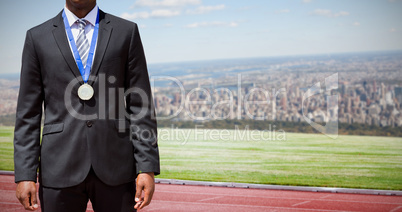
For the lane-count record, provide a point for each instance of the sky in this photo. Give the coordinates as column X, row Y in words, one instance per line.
column 193, row 30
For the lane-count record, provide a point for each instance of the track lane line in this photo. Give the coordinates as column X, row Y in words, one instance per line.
column 306, row 199
column 212, row 198
column 10, row 203
column 328, row 195
column 300, row 203
column 395, row 209
column 155, row 209
column 245, row 206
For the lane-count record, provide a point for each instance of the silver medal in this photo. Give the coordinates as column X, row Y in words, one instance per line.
column 85, row 91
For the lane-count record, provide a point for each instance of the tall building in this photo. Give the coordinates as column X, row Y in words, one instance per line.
column 177, row 99
column 398, row 91
column 398, row 94
column 383, row 91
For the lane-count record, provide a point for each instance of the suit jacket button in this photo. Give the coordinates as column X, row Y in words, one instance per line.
column 89, row 123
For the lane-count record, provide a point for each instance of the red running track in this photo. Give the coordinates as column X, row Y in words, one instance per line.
column 202, row 198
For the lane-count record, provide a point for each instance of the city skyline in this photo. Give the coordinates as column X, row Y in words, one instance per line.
column 192, row 30
column 363, row 89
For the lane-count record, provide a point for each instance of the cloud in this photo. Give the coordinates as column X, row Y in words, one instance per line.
column 329, row 13
column 212, row 24
column 165, row 3
column 133, row 16
column 322, row 12
column 161, row 13
column 392, row 30
column 307, row 1
column 245, row 8
column 167, row 8
column 283, row 11
column 341, row 13
column 164, row 13
column 206, row 9
column 356, row 23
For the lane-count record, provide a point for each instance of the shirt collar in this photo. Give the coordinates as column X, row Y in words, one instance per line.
column 90, row 17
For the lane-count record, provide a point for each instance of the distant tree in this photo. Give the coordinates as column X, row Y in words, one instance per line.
column 297, row 127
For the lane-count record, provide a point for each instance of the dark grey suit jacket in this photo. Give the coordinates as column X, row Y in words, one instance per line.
column 79, row 134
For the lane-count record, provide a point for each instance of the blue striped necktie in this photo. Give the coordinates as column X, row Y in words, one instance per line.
column 82, row 41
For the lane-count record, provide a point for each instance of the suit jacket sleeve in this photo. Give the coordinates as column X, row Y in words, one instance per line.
column 140, row 107
column 28, row 115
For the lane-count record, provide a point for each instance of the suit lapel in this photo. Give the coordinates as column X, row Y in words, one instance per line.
column 105, row 29
column 60, row 36
column 59, row 33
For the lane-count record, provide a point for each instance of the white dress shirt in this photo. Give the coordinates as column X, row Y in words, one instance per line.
column 89, row 28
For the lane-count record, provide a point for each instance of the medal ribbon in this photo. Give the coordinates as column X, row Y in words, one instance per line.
column 87, row 70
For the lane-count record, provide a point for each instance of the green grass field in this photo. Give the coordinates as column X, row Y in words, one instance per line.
column 301, row 159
